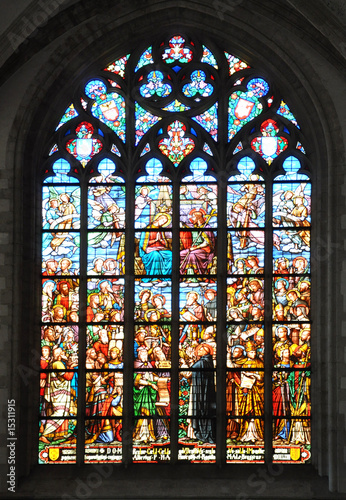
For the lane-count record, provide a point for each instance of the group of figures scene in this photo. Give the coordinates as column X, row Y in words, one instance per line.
column 61, row 224
column 104, row 388
column 60, row 300
column 153, row 210
column 291, row 299
column 58, row 393
column 197, row 389
column 291, row 219
column 198, row 216
column 245, row 301
column 291, row 381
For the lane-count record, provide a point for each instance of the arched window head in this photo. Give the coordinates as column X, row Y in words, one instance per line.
column 176, row 214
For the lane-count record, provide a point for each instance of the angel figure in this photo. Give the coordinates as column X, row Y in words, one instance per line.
column 60, row 214
column 247, row 208
column 291, row 209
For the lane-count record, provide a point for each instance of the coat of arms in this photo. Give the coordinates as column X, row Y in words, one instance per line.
column 243, row 108
column 295, row 454
column 54, row 454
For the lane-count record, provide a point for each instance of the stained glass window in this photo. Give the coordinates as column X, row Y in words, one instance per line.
column 176, row 275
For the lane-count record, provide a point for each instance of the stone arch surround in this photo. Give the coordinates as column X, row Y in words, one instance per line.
column 311, row 84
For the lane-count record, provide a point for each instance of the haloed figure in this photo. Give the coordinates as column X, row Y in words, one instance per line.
column 154, row 247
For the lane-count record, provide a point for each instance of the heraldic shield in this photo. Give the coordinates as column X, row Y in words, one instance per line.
column 295, row 454
column 54, row 454
column 243, row 108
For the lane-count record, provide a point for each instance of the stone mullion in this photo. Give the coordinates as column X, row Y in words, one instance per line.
column 268, row 324
column 82, row 322
column 221, row 336
column 129, row 280
column 174, row 427
column 128, row 325
column 221, row 327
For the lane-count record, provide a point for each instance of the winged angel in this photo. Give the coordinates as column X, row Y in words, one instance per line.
column 291, row 210
column 105, row 217
column 59, row 215
column 247, row 213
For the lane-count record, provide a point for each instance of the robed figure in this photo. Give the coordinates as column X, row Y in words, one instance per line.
column 154, row 247
column 198, row 246
column 202, row 405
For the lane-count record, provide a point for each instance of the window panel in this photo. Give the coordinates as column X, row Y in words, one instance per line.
column 57, row 442
column 153, row 301
column 294, row 245
column 200, row 198
column 251, row 451
column 106, row 207
column 104, row 392
column 147, row 448
column 56, row 265
column 245, row 298
column 60, row 207
column 104, row 346
column 296, row 448
column 105, row 300
column 294, row 339
column 152, row 345
column 108, row 259
column 58, row 336
column 246, row 204
column 151, row 200
column 59, row 398
column 103, row 439
column 291, row 204
column 198, row 255
column 245, row 252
